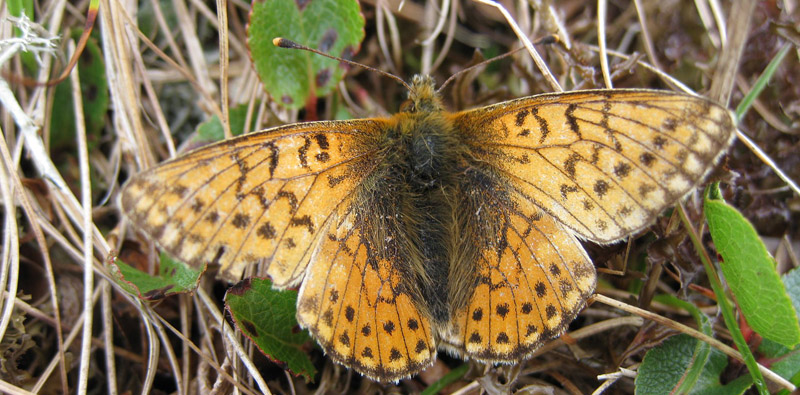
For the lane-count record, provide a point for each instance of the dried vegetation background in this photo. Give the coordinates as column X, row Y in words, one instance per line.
column 164, row 80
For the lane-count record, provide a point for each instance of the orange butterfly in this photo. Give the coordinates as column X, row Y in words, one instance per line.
column 431, row 229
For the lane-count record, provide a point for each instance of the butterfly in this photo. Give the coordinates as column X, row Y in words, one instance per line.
column 429, row 229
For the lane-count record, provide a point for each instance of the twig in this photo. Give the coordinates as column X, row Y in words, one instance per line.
column 527, row 43
column 601, row 39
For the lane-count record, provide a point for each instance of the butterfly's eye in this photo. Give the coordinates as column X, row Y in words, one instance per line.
column 408, row 106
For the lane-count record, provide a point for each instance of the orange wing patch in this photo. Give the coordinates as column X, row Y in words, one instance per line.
column 531, row 285
column 604, row 163
column 354, row 303
column 227, row 203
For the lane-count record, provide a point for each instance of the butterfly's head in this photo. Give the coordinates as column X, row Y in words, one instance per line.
column 423, row 96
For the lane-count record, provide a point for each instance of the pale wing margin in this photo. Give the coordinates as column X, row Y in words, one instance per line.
column 258, row 198
column 604, row 163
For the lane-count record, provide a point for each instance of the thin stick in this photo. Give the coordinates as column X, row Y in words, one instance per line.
column 648, row 41
column 443, row 12
column 601, row 39
column 230, row 336
column 222, row 16
column 527, row 43
column 88, row 250
column 285, row 43
column 484, row 63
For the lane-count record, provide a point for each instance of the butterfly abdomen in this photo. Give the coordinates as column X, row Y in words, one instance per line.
column 417, row 185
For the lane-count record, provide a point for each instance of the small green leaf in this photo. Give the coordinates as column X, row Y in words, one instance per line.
column 709, row 381
column 676, row 366
column 751, row 275
column 665, row 367
column 267, row 317
column 335, row 27
column 449, row 378
column 173, row 277
column 785, row 361
column 702, row 350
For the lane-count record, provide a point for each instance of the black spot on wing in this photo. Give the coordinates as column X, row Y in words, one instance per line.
column 240, row 221
column 647, row 159
column 349, row 314
column 502, row 310
column 266, row 231
column 502, row 338
column 572, row 121
column 551, row 311
column 413, row 324
column 477, row 314
column 303, row 221
column 475, row 338
column 601, row 188
column 520, row 119
column 622, row 169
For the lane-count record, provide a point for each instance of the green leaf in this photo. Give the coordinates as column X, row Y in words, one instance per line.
column 173, row 277
column 211, row 130
column 702, row 350
column 335, row 27
column 451, row 377
column 665, row 367
column 785, row 361
column 267, row 317
column 751, row 275
column 762, row 82
column 94, row 93
column 709, row 381
column 677, row 366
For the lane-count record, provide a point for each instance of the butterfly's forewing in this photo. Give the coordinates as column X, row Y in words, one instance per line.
column 531, row 283
column 258, row 198
column 604, row 163
column 356, row 303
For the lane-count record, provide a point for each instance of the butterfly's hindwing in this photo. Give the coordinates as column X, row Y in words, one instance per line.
column 356, row 302
column 531, row 281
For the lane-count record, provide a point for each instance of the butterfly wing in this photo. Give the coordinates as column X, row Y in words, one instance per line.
column 257, row 198
column 530, row 284
column 358, row 306
column 604, row 163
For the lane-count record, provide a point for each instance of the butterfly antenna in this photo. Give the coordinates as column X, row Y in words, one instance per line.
column 286, row 43
column 544, row 40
